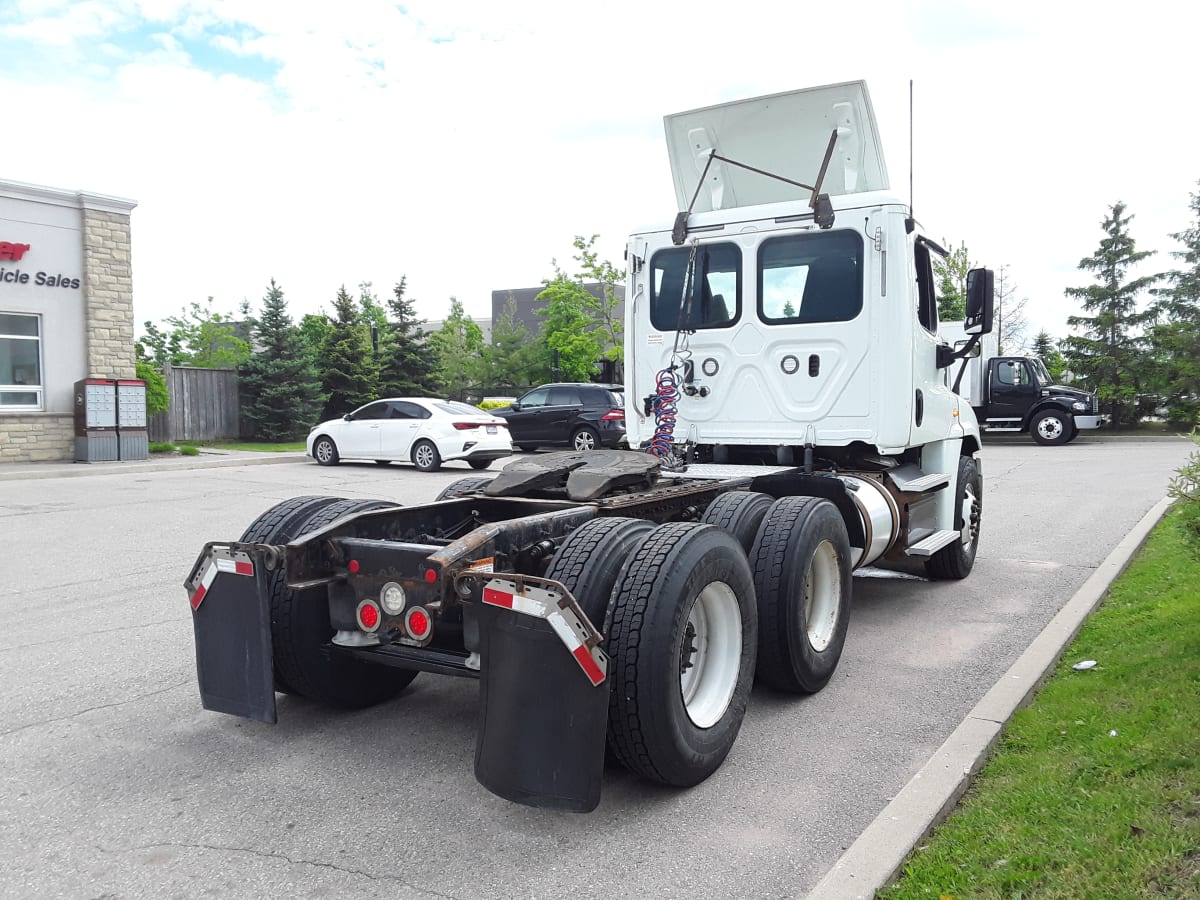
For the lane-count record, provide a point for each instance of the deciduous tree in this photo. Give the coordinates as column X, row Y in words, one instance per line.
column 198, row 336
column 569, row 328
column 458, row 345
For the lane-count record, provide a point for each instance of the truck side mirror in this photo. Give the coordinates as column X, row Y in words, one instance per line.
column 981, row 297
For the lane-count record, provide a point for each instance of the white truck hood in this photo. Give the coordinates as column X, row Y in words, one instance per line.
column 785, row 134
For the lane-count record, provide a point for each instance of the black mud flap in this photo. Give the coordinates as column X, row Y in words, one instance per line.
column 232, row 618
column 544, row 700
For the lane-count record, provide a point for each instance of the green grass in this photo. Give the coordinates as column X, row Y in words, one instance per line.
column 291, row 447
column 1094, row 790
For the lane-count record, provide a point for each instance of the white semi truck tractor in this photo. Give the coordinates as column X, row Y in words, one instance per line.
column 789, row 421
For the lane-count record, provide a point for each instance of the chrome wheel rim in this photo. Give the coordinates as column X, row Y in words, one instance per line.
column 710, row 659
column 585, row 441
column 324, row 451
column 423, row 456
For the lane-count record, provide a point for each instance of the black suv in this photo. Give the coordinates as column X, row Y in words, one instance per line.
column 577, row 415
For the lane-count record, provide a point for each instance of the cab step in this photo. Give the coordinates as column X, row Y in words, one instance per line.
column 913, row 480
column 933, row 543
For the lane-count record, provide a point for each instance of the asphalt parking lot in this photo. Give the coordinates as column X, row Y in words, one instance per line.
column 117, row 783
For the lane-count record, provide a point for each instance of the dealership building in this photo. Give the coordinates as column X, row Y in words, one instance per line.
column 66, row 311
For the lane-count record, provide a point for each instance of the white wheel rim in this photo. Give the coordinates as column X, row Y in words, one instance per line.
column 585, row 441
column 1050, row 428
column 822, row 600
column 711, row 657
column 969, row 517
column 424, row 456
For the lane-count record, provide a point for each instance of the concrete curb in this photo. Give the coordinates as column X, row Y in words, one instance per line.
column 20, row 471
column 876, row 857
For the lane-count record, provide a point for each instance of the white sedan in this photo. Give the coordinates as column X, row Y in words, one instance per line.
column 423, row 431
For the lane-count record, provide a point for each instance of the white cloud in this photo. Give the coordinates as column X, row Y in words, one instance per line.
column 465, row 144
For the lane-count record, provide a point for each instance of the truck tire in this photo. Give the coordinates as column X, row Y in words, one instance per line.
column 739, row 513
column 1051, row 426
column 300, row 628
column 590, row 559
column 278, row 526
column 801, row 564
column 681, row 641
column 956, row 560
column 462, row 486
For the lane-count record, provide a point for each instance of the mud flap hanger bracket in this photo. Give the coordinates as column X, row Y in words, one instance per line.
column 543, row 599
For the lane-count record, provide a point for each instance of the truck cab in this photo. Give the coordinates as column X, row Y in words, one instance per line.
column 1017, row 394
column 779, row 321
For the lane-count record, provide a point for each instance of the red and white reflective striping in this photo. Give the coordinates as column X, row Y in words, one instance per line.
column 220, row 559
column 542, row 603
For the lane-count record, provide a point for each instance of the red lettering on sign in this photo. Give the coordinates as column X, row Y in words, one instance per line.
column 12, row 251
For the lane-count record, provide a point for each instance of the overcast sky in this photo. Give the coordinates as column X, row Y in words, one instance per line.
column 464, row 144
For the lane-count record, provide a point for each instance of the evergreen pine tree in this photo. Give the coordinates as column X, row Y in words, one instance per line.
column 1109, row 353
column 351, row 373
column 1043, row 344
column 408, row 366
column 1176, row 337
column 279, row 386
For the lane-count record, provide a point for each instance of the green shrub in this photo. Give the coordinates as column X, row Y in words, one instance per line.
column 1183, row 414
column 1185, row 488
column 485, row 405
column 162, row 448
column 188, row 450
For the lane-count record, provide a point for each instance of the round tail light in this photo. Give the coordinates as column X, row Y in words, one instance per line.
column 417, row 623
column 369, row 616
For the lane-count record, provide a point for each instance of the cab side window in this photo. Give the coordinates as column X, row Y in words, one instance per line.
column 927, row 311
column 1012, row 372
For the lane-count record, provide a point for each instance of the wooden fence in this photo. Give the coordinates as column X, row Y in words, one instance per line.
column 204, row 406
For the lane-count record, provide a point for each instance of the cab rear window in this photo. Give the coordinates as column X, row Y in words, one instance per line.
column 711, row 298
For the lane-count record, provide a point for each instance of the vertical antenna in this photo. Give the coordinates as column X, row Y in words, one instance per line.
column 911, row 214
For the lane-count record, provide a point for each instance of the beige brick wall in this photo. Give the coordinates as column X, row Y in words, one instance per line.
column 36, row 437
column 108, row 281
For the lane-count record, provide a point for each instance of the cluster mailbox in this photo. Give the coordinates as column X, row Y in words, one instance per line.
column 110, row 420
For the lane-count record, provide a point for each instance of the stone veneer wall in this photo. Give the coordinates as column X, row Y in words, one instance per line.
column 36, row 437
column 108, row 277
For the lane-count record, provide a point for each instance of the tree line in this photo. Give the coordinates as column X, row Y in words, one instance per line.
column 1138, row 357
column 294, row 374
column 1135, row 341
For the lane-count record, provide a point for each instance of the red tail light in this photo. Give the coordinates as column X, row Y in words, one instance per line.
column 417, row 623
column 466, row 426
column 368, row 616
column 613, row 415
